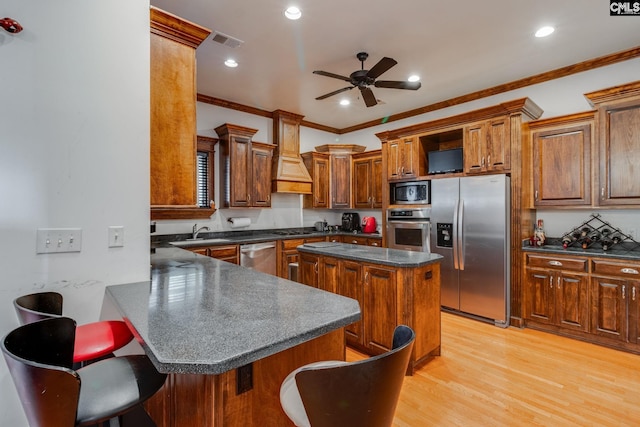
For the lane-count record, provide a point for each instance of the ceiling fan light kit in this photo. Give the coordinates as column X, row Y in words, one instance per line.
column 362, row 79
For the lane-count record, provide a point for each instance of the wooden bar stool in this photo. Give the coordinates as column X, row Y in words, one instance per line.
column 93, row 341
column 39, row 357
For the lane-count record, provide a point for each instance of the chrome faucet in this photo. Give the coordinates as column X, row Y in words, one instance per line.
column 197, row 230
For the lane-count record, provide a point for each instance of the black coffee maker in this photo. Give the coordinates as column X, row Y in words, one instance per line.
column 350, row 221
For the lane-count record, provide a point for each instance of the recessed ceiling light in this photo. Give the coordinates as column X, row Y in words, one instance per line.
column 414, row 78
column 293, row 13
column 230, row 63
column 544, row 31
column 345, row 102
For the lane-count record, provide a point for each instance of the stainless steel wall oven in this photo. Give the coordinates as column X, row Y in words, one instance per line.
column 409, row 229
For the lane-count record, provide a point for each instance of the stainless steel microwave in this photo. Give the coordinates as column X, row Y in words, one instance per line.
column 411, row 193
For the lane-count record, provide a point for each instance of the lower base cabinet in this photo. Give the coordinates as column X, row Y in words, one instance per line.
column 593, row 299
column 228, row 253
column 388, row 296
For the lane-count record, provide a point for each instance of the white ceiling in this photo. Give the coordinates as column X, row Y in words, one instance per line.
column 456, row 47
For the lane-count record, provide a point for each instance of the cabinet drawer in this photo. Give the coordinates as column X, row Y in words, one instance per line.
column 314, row 239
column 292, row 243
column 621, row 269
column 356, row 240
column 545, row 261
column 223, row 251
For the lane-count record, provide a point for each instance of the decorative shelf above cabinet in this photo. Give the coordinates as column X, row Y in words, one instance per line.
column 173, row 186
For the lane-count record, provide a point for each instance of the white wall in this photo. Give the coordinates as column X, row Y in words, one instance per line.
column 74, row 144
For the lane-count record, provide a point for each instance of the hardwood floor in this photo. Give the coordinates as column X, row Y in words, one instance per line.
column 488, row 376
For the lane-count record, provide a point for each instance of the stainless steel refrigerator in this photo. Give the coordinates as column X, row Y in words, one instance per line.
column 470, row 228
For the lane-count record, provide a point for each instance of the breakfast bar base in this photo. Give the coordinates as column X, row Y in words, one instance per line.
column 188, row 400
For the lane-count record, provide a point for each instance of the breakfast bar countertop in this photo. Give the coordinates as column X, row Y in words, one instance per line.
column 200, row 315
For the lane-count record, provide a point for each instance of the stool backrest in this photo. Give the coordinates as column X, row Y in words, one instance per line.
column 39, row 356
column 38, row 306
column 359, row 394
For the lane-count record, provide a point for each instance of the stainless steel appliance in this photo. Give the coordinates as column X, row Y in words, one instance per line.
column 409, row 229
column 259, row 256
column 350, row 221
column 471, row 231
column 414, row 193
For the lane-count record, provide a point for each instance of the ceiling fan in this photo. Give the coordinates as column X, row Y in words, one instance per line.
column 362, row 79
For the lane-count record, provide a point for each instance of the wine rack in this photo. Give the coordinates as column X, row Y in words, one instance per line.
column 598, row 233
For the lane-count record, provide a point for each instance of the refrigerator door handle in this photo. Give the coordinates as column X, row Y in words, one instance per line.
column 459, row 235
column 455, row 235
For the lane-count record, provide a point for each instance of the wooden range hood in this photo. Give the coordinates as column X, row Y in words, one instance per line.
column 289, row 174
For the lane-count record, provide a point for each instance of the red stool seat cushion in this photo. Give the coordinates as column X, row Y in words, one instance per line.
column 98, row 339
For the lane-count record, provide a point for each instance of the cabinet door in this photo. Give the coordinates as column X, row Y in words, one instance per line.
column 634, row 312
column 381, row 304
column 350, row 285
column 393, row 160
column 538, row 297
column 572, row 301
column 308, row 269
column 340, row 181
column 321, row 183
column 620, row 156
column 260, row 188
column 562, row 166
column 240, row 171
column 288, row 256
column 361, row 184
column 409, row 157
column 376, row 183
column 609, row 308
column 474, row 148
column 329, row 275
column 498, row 145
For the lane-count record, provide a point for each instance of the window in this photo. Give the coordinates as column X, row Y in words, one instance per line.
column 205, row 161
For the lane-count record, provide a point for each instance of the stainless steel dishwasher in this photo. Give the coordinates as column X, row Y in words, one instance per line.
column 259, row 256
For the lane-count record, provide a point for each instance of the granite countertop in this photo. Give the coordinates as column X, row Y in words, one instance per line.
column 200, row 315
column 247, row 236
column 372, row 254
column 623, row 251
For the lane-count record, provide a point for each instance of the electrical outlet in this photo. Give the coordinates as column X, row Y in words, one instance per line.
column 116, row 236
column 57, row 240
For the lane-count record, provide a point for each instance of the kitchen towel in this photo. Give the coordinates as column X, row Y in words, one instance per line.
column 239, row 222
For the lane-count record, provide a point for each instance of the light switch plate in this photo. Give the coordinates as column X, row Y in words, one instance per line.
column 57, row 240
column 116, row 236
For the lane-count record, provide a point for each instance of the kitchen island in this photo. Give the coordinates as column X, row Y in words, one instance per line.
column 227, row 336
column 393, row 287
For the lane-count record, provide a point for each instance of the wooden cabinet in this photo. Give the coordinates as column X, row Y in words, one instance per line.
column 318, row 166
column 362, row 240
column 562, row 160
column 340, row 181
column 287, row 253
column 557, row 292
column 618, row 143
column 366, row 181
column 173, row 180
column 615, row 289
column 487, row 146
column 246, row 175
column 405, row 158
column 228, row 253
column 388, row 296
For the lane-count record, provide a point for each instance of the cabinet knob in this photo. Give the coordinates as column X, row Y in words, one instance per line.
column 629, row 271
column 555, row 263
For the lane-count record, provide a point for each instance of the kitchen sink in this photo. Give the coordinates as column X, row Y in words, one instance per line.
column 198, row 242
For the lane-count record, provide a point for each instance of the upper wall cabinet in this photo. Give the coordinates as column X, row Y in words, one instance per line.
column 246, row 175
column 173, row 186
column 487, row 146
column 366, row 185
column 562, row 160
column 405, row 158
column 618, row 145
column 318, row 166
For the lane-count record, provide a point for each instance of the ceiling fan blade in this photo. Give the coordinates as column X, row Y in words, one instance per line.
column 390, row 84
column 335, row 92
column 383, row 65
column 368, row 96
column 335, row 76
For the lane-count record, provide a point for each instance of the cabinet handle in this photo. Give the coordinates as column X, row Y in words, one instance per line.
column 536, row 196
column 555, row 263
column 315, row 267
column 402, row 171
column 629, row 271
column 624, row 291
column 355, row 242
column 633, row 293
column 489, row 160
column 482, row 163
column 551, row 282
column 366, row 277
column 558, row 282
column 374, row 244
column 602, row 193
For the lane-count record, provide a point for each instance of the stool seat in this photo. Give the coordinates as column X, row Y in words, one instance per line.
column 99, row 339
column 93, row 340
